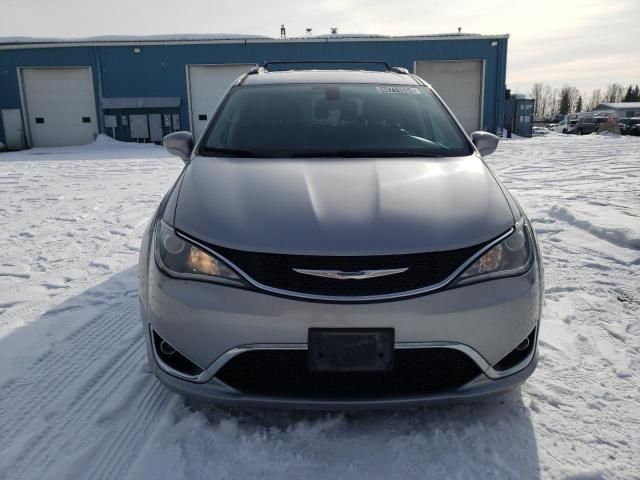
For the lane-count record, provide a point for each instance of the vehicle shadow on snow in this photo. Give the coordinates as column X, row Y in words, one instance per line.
column 71, row 379
column 98, row 333
column 491, row 439
column 98, row 320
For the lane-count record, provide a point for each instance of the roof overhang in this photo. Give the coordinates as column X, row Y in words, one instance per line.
column 140, row 102
column 16, row 43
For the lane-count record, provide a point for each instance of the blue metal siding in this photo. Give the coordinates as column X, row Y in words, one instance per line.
column 160, row 70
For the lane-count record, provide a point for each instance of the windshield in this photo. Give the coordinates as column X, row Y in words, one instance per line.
column 333, row 121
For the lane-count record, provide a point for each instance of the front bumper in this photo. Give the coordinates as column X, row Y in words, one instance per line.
column 481, row 388
column 208, row 323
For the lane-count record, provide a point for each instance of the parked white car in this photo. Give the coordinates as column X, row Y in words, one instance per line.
column 562, row 127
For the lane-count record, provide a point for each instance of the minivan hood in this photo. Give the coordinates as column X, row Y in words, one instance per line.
column 341, row 206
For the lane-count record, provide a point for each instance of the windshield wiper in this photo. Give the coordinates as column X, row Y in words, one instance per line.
column 233, row 152
column 363, row 154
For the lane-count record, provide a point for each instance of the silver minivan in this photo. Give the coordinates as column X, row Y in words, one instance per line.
column 335, row 240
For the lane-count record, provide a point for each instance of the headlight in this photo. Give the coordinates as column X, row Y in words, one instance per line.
column 511, row 256
column 182, row 258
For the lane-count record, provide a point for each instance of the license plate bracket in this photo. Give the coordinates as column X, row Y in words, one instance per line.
column 351, row 349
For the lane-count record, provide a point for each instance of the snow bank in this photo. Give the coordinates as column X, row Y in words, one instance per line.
column 102, row 147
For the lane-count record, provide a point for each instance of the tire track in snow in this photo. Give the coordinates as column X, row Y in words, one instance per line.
column 27, row 311
column 83, row 411
column 127, row 442
column 58, row 368
column 43, row 449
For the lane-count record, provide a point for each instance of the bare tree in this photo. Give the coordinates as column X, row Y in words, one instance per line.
column 547, row 98
column 594, row 99
column 614, row 93
column 574, row 94
column 555, row 102
column 536, row 93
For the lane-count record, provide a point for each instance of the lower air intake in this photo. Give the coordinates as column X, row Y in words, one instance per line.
column 416, row 371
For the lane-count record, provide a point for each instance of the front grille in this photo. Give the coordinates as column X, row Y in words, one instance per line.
column 416, row 371
column 276, row 270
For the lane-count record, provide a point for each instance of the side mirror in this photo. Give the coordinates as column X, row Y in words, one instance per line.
column 485, row 142
column 179, row 144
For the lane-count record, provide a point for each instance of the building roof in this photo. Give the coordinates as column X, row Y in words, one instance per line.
column 521, row 96
column 108, row 40
column 330, row 76
column 619, row 106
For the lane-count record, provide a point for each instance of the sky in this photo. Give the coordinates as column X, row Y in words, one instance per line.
column 584, row 43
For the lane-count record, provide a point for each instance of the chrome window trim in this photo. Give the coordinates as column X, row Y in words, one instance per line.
column 346, row 299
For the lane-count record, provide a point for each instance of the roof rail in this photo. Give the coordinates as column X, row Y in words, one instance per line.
column 256, row 70
column 388, row 68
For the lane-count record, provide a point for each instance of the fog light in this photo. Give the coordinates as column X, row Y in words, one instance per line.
column 172, row 361
column 518, row 354
column 166, row 348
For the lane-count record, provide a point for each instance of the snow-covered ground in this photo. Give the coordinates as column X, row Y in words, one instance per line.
column 77, row 401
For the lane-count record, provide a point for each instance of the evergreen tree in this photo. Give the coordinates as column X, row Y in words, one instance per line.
column 636, row 94
column 628, row 97
column 579, row 104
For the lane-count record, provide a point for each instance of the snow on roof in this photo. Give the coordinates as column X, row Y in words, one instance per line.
column 134, row 38
column 348, row 35
column 226, row 37
column 521, row 96
column 628, row 105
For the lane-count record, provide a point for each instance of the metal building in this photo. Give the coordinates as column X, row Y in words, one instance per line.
column 620, row 109
column 64, row 92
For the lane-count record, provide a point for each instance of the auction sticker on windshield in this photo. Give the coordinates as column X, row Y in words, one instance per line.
column 406, row 90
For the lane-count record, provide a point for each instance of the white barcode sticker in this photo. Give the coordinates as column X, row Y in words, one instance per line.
column 405, row 90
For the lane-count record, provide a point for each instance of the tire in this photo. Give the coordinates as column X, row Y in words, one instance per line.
column 580, row 131
column 564, row 130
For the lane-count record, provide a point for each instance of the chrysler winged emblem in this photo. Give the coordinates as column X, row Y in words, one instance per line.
column 359, row 275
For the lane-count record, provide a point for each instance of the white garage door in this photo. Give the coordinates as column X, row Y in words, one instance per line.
column 60, row 106
column 207, row 84
column 459, row 83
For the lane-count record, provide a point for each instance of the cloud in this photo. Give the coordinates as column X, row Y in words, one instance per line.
column 585, row 42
